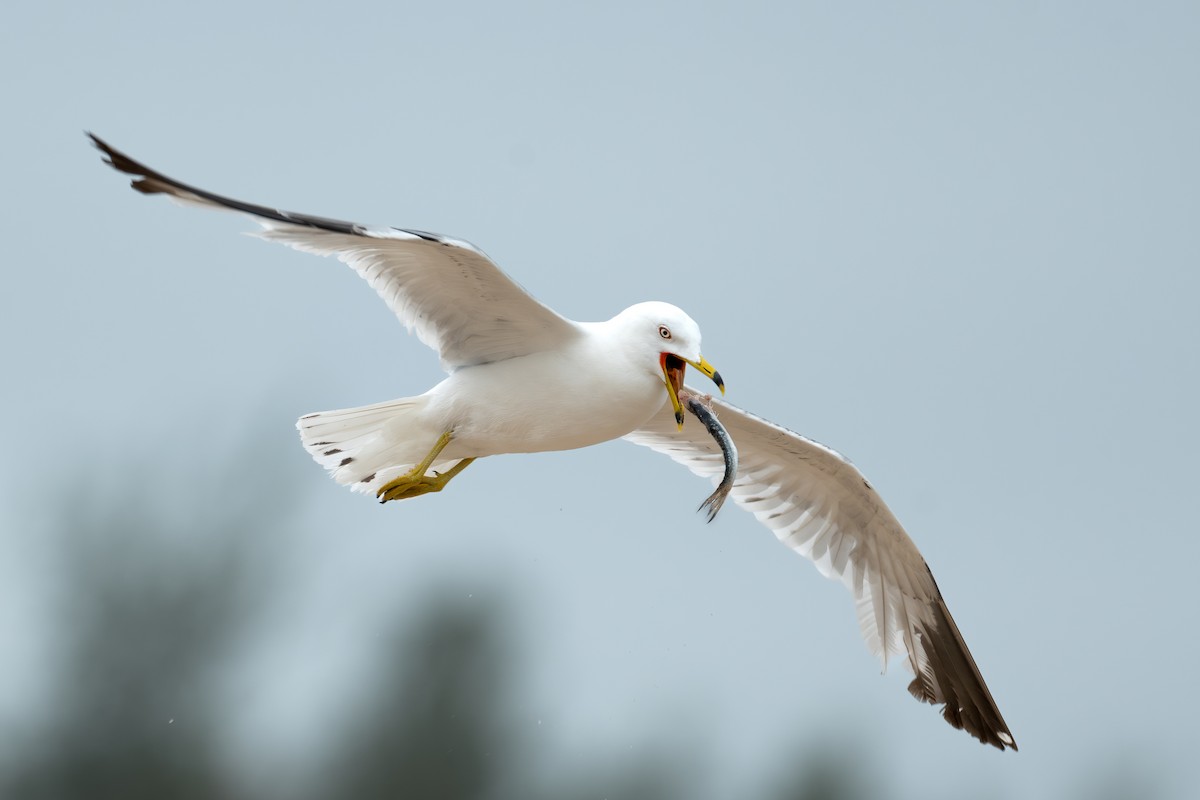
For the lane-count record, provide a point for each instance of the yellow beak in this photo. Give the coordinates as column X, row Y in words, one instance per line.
column 673, row 368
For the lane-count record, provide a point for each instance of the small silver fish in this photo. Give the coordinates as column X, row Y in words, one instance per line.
column 705, row 414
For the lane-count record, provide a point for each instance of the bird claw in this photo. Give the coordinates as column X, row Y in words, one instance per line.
column 404, row 487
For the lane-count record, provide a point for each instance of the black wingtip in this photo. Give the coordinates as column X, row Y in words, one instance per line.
column 100, row 145
column 145, row 180
column 150, row 181
column 954, row 681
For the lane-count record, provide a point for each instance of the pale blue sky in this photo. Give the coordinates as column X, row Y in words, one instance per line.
column 957, row 242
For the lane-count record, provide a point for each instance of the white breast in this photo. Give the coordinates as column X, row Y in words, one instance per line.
column 576, row 396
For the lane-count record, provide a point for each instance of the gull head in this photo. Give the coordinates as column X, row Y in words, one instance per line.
column 669, row 340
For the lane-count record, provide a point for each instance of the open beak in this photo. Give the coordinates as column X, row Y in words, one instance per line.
column 673, row 368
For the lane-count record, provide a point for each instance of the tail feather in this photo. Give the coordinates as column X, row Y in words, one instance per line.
column 365, row 447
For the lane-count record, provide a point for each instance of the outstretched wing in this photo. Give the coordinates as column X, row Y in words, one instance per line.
column 822, row 507
column 445, row 290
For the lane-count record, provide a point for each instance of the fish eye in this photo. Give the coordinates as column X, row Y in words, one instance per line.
column 664, row 331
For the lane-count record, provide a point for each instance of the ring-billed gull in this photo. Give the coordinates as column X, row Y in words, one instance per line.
column 524, row 379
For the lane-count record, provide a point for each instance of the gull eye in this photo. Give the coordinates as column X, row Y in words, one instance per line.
column 664, row 331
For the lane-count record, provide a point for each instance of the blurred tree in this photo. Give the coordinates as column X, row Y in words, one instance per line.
column 436, row 723
column 827, row 773
column 156, row 606
column 145, row 624
column 431, row 724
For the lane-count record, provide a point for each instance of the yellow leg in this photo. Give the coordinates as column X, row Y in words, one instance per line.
column 415, row 482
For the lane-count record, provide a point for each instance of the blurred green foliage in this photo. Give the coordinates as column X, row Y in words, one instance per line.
column 153, row 609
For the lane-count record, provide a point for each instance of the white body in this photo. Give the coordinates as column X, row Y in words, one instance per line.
column 576, row 396
column 601, row 382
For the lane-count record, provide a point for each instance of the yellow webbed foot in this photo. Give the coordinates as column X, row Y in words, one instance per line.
column 415, row 482
column 408, row 485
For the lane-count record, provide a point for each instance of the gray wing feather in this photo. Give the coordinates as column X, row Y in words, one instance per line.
column 445, row 290
column 821, row 506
